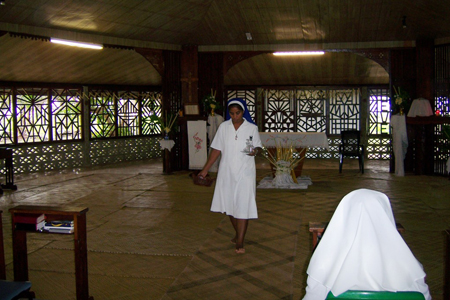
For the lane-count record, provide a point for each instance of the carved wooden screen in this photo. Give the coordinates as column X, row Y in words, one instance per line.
column 66, row 114
column 344, row 110
column 151, row 103
column 124, row 113
column 7, row 128
column 128, row 116
column 303, row 110
column 379, row 136
column 33, row 115
column 102, row 113
column 279, row 111
column 311, row 110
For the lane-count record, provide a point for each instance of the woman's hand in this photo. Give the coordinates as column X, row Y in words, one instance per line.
column 254, row 152
column 202, row 174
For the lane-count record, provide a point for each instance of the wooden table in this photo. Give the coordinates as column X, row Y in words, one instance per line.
column 447, row 265
column 78, row 215
column 2, row 251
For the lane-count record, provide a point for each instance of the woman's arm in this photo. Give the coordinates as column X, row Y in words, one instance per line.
column 211, row 159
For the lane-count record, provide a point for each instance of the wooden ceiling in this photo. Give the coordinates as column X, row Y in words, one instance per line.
column 213, row 25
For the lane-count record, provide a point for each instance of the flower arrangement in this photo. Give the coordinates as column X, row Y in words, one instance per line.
column 286, row 154
column 210, row 103
column 401, row 101
column 165, row 122
column 284, row 160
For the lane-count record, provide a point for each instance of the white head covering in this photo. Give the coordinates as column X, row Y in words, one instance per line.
column 361, row 249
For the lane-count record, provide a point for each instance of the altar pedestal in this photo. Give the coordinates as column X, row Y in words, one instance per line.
column 296, row 140
column 166, row 146
column 298, row 169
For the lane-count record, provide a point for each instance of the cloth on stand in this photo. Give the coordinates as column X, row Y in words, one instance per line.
column 420, row 108
column 167, row 144
column 197, row 144
column 214, row 122
column 400, row 142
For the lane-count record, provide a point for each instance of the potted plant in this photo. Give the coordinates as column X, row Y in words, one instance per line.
column 167, row 122
column 402, row 101
column 210, row 104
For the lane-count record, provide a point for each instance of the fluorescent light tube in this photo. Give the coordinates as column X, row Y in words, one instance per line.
column 76, row 44
column 299, row 53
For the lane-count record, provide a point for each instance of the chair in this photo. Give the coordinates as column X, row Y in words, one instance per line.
column 11, row 290
column 367, row 295
column 351, row 147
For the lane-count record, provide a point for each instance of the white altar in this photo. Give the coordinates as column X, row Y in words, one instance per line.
column 290, row 146
column 300, row 141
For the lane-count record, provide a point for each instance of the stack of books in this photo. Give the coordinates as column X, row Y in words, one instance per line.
column 30, row 222
column 63, row 226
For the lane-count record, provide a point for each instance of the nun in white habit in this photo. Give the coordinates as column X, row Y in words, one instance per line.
column 361, row 249
column 235, row 189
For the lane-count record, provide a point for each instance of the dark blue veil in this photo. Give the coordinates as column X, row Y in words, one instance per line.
column 242, row 103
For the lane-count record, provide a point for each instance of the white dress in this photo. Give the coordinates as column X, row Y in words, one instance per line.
column 235, row 189
column 361, row 249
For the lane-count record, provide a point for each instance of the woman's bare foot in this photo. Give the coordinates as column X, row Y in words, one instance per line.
column 240, row 250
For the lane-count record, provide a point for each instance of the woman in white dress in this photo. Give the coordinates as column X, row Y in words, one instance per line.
column 237, row 141
column 361, row 249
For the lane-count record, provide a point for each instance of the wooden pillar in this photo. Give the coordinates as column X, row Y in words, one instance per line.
column 424, row 158
column 425, row 69
column 189, row 74
column 402, row 73
column 210, row 76
column 172, row 99
column 365, row 113
column 189, row 92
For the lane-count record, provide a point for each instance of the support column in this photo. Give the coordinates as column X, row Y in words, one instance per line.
column 189, row 74
column 425, row 69
column 86, row 128
column 424, row 150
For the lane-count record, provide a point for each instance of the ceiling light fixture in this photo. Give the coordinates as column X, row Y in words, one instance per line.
column 249, row 36
column 76, row 44
column 3, row 2
column 299, row 53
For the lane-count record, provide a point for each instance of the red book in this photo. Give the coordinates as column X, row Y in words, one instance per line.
column 29, row 218
column 30, row 227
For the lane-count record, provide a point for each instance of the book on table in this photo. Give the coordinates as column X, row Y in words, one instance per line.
column 60, row 226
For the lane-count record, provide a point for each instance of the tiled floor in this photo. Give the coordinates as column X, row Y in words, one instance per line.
column 151, row 236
